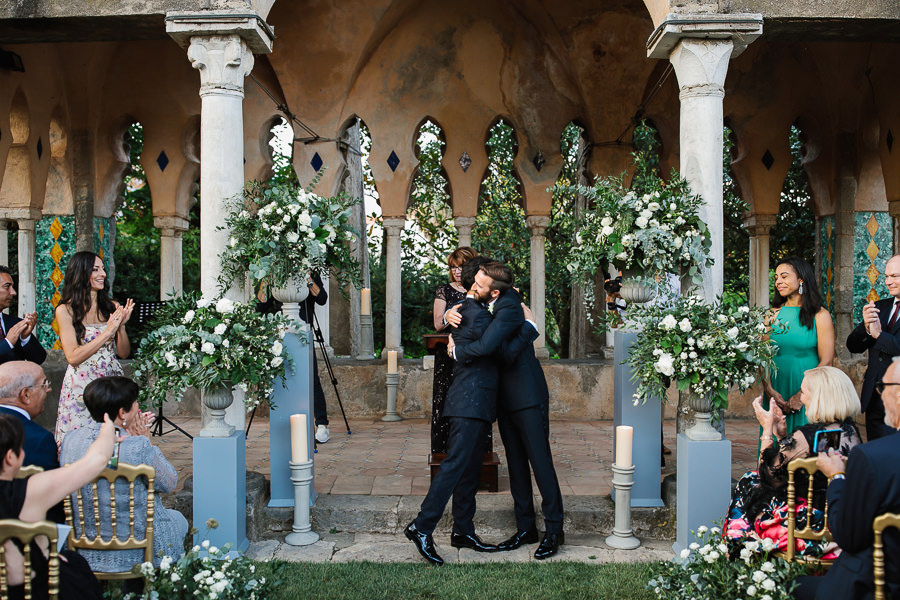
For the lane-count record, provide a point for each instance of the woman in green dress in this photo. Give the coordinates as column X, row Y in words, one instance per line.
column 803, row 332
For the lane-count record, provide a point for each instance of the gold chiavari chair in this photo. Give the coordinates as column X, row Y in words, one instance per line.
column 808, row 532
column 76, row 516
column 28, row 471
column 881, row 523
column 26, row 533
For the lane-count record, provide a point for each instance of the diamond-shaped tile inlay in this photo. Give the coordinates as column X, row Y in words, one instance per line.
column 872, row 274
column 393, row 160
column 40, row 148
column 316, row 162
column 56, row 276
column 55, row 298
column 890, row 141
column 162, row 161
column 56, row 230
column 872, row 227
column 465, row 162
column 56, row 253
column 768, row 160
column 872, row 250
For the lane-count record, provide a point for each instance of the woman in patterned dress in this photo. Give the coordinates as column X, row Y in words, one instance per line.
column 92, row 334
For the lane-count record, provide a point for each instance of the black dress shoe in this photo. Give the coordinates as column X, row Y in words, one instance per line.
column 424, row 544
column 524, row 536
column 550, row 545
column 471, row 540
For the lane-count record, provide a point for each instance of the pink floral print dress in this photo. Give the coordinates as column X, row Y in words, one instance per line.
column 72, row 412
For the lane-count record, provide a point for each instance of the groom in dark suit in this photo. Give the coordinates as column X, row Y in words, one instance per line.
column 879, row 334
column 19, row 343
column 523, row 408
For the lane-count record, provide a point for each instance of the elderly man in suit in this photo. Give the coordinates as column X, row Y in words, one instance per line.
column 879, row 334
column 23, row 391
column 19, row 343
column 866, row 487
column 523, row 411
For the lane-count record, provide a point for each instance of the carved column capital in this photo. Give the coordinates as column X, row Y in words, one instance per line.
column 393, row 225
column 537, row 224
column 170, row 225
column 757, row 225
column 25, row 224
column 701, row 66
column 223, row 62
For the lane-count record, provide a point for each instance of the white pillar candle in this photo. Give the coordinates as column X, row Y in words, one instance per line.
column 392, row 361
column 299, row 439
column 624, row 435
column 365, row 298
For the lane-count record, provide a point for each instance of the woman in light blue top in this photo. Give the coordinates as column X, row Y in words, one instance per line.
column 803, row 332
column 117, row 397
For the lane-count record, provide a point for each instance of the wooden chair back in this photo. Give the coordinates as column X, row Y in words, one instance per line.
column 26, row 533
column 881, row 523
column 28, row 470
column 808, row 532
column 130, row 473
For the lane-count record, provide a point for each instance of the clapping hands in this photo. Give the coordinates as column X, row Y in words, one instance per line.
column 120, row 316
column 22, row 329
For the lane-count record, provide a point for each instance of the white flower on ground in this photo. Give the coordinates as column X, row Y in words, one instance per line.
column 189, row 316
column 665, row 364
column 220, row 329
column 668, row 323
column 224, row 306
column 208, row 348
column 685, row 325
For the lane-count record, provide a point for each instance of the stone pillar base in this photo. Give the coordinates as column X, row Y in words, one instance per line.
column 703, row 486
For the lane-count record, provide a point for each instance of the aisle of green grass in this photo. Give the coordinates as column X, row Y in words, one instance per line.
column 507, row 581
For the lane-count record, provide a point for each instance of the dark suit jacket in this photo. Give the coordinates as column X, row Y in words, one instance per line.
column 308, row 306
column 32, row 351
column 473, row 392
column 522, row 383
column 881, row 350
column 40, row 447
column 871, row 487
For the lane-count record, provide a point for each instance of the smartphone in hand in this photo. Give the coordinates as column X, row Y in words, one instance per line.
column 114, row 459
column 827, row 439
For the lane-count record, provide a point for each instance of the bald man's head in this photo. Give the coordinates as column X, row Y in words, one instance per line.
column 23, row 384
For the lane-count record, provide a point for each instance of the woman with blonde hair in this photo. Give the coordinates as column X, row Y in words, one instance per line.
column 759, row 505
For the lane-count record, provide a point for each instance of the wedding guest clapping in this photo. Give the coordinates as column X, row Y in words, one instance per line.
column 92, row 334
column 21, row 343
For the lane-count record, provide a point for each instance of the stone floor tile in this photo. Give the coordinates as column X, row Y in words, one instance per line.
column 263, row 550
column 319, row 552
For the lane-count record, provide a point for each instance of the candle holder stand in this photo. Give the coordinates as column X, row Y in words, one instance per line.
column 622, row 536
column 393, row 380
column 301, row 532
column 366, row 339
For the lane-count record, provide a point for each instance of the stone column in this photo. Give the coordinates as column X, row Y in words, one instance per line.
column 393, row 293
column 537, row 224
column 464, row 226
column 170, row 263
column 759, row 226
column 26, row 283
column 4, row 242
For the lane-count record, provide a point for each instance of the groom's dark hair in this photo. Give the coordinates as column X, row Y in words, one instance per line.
column 500, row 274
column 469, row 268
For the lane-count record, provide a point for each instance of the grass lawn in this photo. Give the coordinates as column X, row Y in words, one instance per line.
column 513, row 581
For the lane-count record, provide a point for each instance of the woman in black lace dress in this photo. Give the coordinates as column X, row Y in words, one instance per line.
column 758, row 507
column 447, row 296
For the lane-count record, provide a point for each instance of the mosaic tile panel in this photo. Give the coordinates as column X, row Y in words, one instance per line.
column 872, row 247
column 828, row 235
column 101, row 238
column 54, row 245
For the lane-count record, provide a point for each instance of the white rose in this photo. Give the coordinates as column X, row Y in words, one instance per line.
column 606, row 221
column 232, row 242
column 742, row 346
column 170, row 359
column 767, row 566
column 685, row 553
column 304, row 219
column 759, row 576
column 622, row 255
column 276, row 361
column 668, row 323
column 204, row 302
column 226, row 343
column 626, row 239
column 691, row 341
column 220, row 328
column 744, row 309
column 165, row 562
column 722, row 318
column 751, row 591
column 732, row 333
column 653, row 206
column 208, row 348
column 292, row 237
column 702, row 529
column 685, row 325
column 277, row 348
column 175, row 577
column 768, row 585
column 677, row 242
column 606, row 231
column 664, row 364
column 224, row 305
column 641, row 222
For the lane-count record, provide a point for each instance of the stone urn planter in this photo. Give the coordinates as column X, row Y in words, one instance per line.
column 636, row 288
column 217, row 399
column 702, row 408
column 291, row 294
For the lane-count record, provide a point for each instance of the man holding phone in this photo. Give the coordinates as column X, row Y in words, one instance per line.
column 879, row 334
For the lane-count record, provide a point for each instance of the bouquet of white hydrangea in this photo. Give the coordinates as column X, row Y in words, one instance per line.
column 705, row 348
column 281, row 231
column 207, row 342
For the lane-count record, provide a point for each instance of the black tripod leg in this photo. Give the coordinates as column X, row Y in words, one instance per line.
column 250, row 422
column 321, row 340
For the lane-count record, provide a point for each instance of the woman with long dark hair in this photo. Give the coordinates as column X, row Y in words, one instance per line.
column 803, row 332
column 92, row 333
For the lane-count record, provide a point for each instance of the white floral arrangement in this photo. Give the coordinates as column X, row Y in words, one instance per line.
column 705, row 348
column 282, row 231
column 713, row 568
column 205, row 571
column 205, row 342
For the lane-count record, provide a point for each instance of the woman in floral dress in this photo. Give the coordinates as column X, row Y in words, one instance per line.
column 92, row 334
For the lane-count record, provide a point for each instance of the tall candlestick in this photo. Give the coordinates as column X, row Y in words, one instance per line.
column 392, row 361
column 299, row 439
column 624, row 435
column 365, row 297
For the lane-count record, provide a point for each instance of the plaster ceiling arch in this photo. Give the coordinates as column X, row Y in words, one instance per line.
column 189, row 178
column 19, row 118
column 112, row 160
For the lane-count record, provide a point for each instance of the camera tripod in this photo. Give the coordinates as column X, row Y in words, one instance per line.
column 320, row 339
column 157, row 428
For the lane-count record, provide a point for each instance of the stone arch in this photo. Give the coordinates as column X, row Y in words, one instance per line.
column 110, row 179
column 520, row 189
column 16, row 184
column 188, row 179
column 58, row 197
column 416, row 150
column 817, row 155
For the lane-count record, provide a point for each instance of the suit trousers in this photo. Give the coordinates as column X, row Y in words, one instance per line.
column 319, row 410
column 457, row 477
column 526, row 438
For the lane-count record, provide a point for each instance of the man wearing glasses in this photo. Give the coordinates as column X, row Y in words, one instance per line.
column 879, row 334
column 23, row 391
